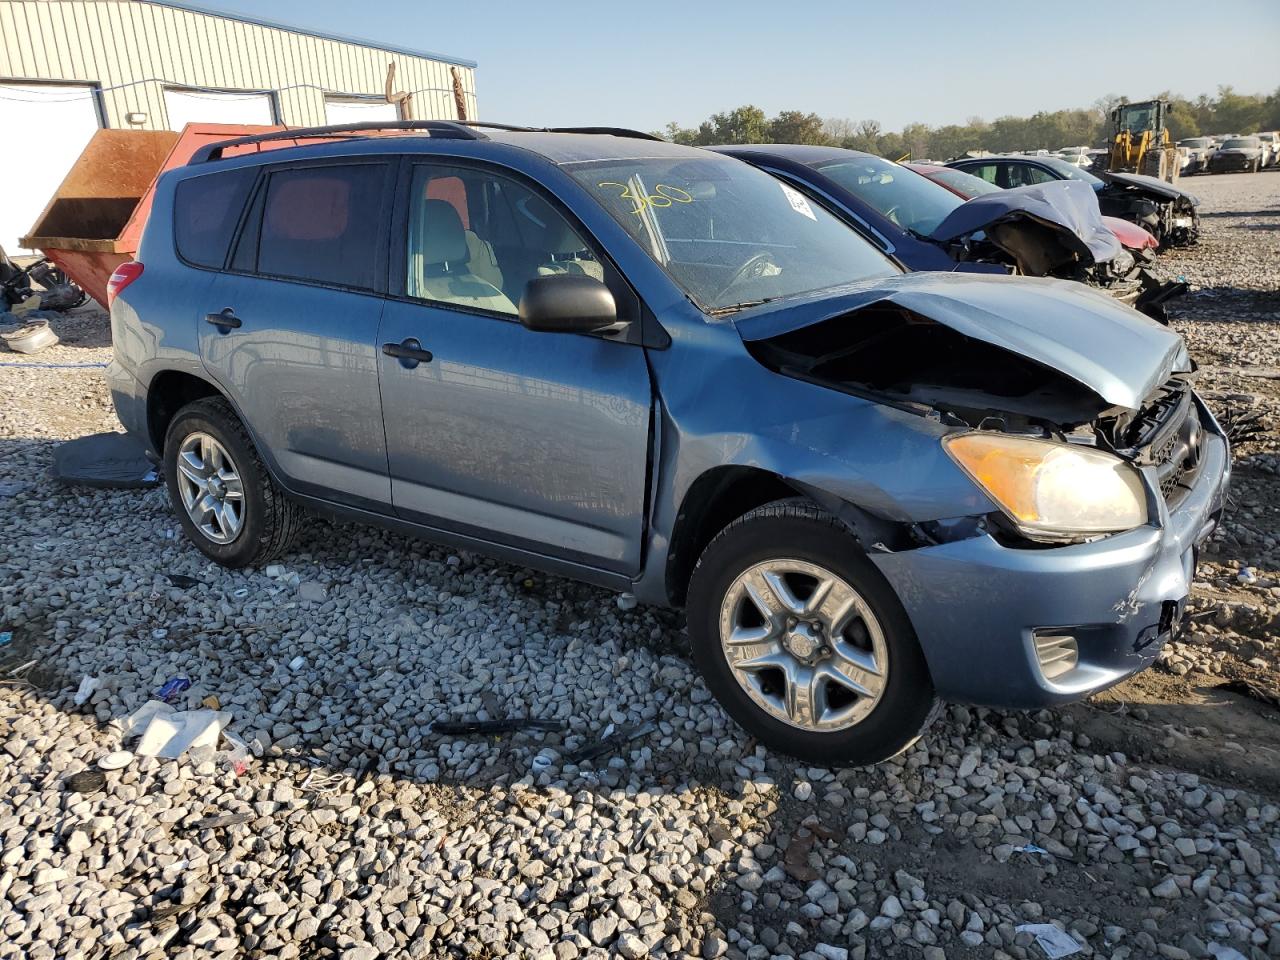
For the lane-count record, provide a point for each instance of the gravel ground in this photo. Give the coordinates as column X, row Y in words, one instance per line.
column 1145, row 822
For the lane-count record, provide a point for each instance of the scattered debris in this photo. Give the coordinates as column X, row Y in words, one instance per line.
column 174, row 686
column 297, row 663
column 211, row 702
column 169, row 733
column 611, row 740
column 507, row 725
column 85, row 690
column 181, row 580
column 221, row 820
column 86, row 781
column 1054, row 942
column 116, row 761
column 115, row 461
column 32, row 337
column 6, row 637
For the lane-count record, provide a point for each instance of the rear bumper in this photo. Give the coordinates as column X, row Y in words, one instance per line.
column 130, row 400
column 977, row 605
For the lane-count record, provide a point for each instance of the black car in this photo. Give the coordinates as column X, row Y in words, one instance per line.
column 1167, row 211
column 1238, row 155
column 1048, row 230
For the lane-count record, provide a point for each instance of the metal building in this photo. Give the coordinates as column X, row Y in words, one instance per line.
column 69, row 67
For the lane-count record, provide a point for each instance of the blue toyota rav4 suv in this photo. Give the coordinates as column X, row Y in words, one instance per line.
column 662, row 371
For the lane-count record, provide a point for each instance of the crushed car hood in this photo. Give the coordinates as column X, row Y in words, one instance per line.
column 1111, row 349
column 1053, row 223
column 1150, row 185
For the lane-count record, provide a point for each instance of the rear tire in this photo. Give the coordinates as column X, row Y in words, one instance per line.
column 783, row 553
column 225, row 499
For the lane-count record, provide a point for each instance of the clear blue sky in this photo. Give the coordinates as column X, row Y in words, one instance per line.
column 643, row 64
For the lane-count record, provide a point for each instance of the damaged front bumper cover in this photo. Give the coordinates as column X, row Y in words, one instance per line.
column 979, row 606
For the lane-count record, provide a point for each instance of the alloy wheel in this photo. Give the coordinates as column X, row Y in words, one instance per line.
column 804, row 645
column 210, row 486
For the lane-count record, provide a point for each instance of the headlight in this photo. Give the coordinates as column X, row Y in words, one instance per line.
column 1052, row 490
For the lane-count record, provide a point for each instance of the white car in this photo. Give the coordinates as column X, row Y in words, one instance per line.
column 1079, row 156
column 1270, row 148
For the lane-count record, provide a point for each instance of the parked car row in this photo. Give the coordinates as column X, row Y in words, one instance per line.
column 1231, row 154
column 710, row 384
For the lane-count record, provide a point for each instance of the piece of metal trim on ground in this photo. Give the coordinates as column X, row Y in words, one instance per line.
column 113, row 461
column 619, row 738
column 506, row 725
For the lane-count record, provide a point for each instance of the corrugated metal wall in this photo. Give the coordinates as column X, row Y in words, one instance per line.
column 132, row 50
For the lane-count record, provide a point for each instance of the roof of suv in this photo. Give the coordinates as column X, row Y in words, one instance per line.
column 565, row 145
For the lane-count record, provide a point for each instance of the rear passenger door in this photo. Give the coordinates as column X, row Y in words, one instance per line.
column 290, row 328
column 536, row 441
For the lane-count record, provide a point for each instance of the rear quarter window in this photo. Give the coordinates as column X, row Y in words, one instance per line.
column 323, row 224
column 206, row 211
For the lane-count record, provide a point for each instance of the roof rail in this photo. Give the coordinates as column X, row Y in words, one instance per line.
column 607, row 131
column 447, row 129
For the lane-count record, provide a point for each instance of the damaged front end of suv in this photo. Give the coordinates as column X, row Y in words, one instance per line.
column 1098, row 472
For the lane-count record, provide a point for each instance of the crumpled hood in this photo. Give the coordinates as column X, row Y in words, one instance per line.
column 1111, row 349
column 1062, row 214
column 1151, row 185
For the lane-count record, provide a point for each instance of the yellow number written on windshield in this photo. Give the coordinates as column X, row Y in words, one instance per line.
column 663, row 195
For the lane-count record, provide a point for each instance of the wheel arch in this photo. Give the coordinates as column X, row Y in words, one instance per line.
column 168, row 392
column 713, row 501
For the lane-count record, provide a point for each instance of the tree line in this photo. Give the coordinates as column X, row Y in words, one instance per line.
column 1228, row 112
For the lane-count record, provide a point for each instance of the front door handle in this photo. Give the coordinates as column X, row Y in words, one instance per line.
column 409, row 352
column 226, row 320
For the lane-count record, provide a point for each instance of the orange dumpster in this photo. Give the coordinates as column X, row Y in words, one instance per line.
column 94, row 221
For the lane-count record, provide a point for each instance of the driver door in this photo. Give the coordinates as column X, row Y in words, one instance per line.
column 536, row 441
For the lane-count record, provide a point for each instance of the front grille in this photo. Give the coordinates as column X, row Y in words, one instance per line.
column 1172, row 439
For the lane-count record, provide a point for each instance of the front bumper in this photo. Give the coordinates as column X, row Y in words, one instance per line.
column 1231, row 164
column 977, row 604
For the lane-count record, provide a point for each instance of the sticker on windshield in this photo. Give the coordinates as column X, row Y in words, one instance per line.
column 798, row 202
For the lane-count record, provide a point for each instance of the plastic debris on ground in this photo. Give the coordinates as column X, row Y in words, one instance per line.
column 6, row 637
column 172, row 687
column 1054, row 942
column 181, row 580
column 86, row 781
column 85, row 690
column 116, row 761
column 113, row 461
column 612, row 739
column 168, row 733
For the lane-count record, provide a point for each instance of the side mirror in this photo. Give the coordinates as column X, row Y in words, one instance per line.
column 567, row 303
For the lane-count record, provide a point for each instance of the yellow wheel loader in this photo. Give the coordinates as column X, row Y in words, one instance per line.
column 1141, row 141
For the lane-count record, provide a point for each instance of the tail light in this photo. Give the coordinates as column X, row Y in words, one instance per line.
column 125, row 274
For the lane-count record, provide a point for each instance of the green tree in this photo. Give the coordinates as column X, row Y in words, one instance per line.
column 743, row 125
column 794, row 126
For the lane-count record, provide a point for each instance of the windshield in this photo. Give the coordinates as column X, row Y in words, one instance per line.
column 911, row 201
column 966, row 183
column 1069, row 170
column 1240, row 143
column 730, row 235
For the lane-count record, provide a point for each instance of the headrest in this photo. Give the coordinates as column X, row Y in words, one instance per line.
column 442, row 238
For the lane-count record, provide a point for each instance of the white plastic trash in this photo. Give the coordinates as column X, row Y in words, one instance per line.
column 169, row 733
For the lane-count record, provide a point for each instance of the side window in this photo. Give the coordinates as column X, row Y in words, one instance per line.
column 477, row 238
column 1024, row 174
column 205, row 212
column 986, row 171
column 323, row 224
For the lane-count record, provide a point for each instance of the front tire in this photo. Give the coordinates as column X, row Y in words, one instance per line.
column 804, row 642
column 226, row 501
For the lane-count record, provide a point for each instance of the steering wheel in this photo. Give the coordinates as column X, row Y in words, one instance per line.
column 753, row 269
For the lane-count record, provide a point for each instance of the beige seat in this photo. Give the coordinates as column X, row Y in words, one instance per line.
column 482, row 261
column 439, row 262
column 566, row 249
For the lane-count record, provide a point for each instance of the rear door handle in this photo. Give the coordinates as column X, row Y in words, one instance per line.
column 409, row 352
column 227, row 319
